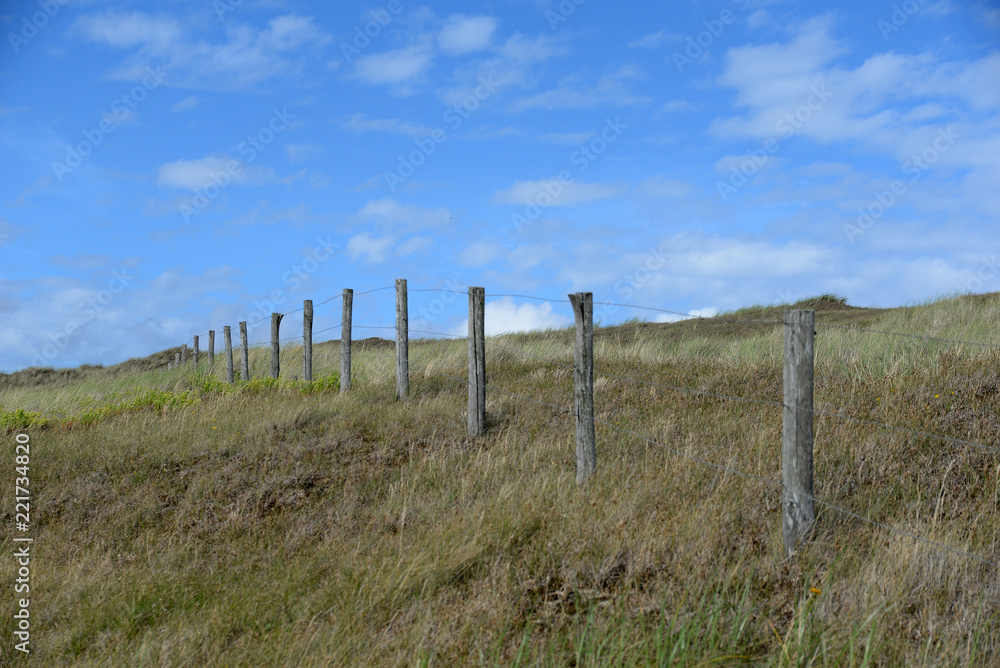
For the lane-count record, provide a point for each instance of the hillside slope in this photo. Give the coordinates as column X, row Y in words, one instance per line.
column 181, row 522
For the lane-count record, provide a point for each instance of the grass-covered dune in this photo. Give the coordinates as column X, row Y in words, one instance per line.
column 182, row 522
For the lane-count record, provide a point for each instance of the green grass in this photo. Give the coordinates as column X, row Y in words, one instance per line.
column 182, row 521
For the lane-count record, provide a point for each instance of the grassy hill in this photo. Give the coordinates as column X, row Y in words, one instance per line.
column 178, row 521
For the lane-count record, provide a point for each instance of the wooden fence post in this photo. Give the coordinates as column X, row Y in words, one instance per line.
column 245, row 363
column 583, row 385
column 345, row 341
column 307, row 340
column 184, row 354
column 477, row 362
column 402, row 341
column 195, row 351
column 211, row 348
column 227, row 334
column 275, row 351
column 798, row 510
column 177, row 360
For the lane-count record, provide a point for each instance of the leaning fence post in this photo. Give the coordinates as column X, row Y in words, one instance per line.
column 195, row 351
column 245, row 363
column 477, row 362
column 275, row 351
column 184, row 354
column 402, row 341
column 583, row 385
column 227, row 334
column 797, row 428
column 307, row 340
column 211, row 348
column 345, row 341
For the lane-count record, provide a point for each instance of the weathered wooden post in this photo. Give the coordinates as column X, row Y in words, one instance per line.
column 583, row 385
column 345, row 341
column 184, row 354
column 307, row 340
column 177, row 360
column 227, row 334
column 211, row 348
column 195, row 351
column 477, row 362
column 275, row 351
column 402, row 341
column 798, row 511
column 245, row 363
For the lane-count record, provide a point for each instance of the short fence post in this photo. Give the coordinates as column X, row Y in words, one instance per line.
column 402, row 341
column 798, row 510
column 307, row 340
column 195, row 351
column 227, row 334
column 184, row 354
column 583, row 385
column 245, row 363
column 275, row 351
column 477, row 362
column 211, row 348
column 177, row 360
column 345, row 341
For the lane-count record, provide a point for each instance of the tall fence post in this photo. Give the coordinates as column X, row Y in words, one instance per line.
column 798, row 510
column 275, row 350
column 245, row 362
column 227, row 334
column 345, row 341
column 195, row 351
column 477, row 362
column 307, row 340
column 402, row 341
column 583, row 385
column 211, row 348
column 184, row 354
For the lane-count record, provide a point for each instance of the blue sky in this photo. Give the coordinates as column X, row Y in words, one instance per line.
column 174, row 167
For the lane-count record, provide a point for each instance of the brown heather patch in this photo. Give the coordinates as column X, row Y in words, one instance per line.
column 273, row 528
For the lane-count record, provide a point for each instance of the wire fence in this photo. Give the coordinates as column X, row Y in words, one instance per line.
column 498, row 343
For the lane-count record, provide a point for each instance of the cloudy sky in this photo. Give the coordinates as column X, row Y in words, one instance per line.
column 173, row 167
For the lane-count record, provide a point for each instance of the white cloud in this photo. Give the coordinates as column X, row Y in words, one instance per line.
column 302, row 152
column 708, row 312
column 358, row 123
column 676, row 106
column 185, row 104
column 246, row 57
column 390, row 213
column 503, row 316
column 369, row 249
column 480, row 253
column 414, row 246
column 566, row 137
column 649, row 41
column 465, row 34
column 195, row 174
column 660, row 186
column 571, row 194
column 574, row 92
column 394, row 68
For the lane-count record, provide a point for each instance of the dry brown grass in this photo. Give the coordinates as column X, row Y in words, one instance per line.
column 275, row 528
